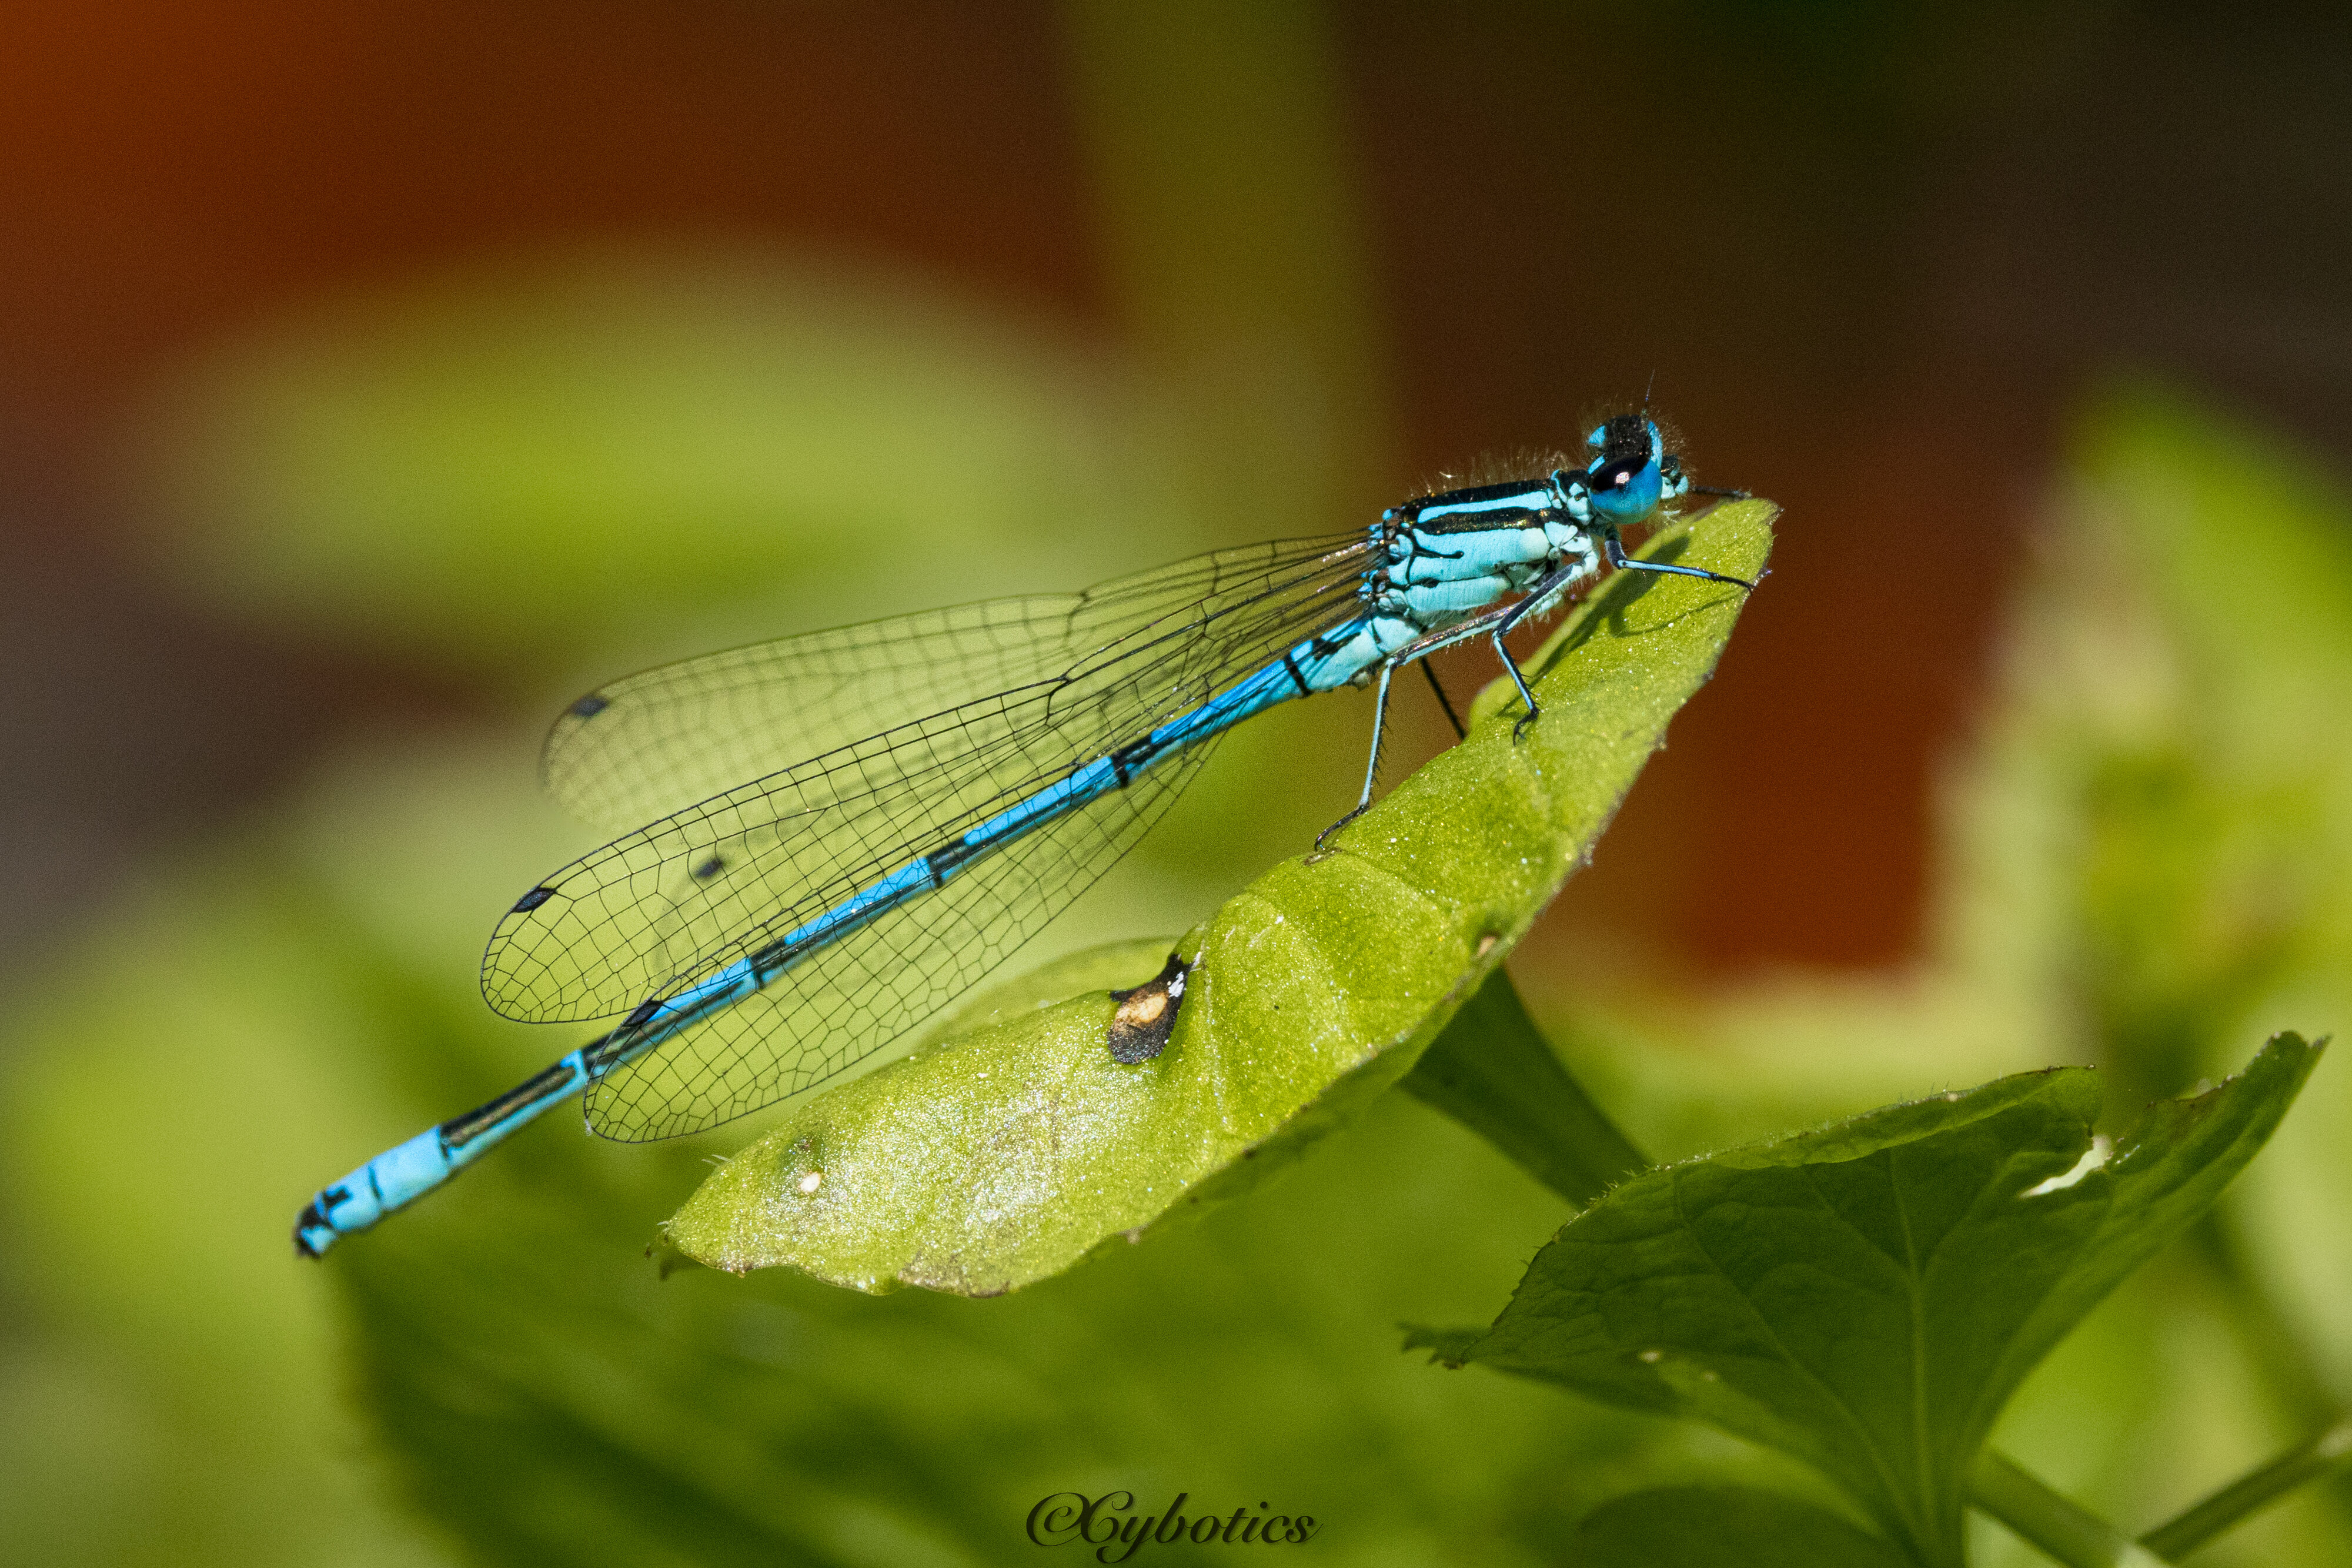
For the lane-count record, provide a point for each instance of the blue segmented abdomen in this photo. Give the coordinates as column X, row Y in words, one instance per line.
column 407, row 1172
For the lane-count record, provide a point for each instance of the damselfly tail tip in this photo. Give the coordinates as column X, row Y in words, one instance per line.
column 312, row 1234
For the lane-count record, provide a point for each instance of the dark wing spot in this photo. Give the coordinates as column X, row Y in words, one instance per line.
column 640, row 1014
column 710, row 869
column 590, row 706
column 532, row 900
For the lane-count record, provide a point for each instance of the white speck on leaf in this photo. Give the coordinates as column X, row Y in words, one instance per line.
column 2093, row 1158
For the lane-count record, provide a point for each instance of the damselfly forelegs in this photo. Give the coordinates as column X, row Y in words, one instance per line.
column 1497, row 623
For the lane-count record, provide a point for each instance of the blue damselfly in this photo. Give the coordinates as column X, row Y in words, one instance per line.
column 849, row 828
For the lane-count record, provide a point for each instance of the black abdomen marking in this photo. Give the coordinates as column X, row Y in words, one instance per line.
column 458, row 1130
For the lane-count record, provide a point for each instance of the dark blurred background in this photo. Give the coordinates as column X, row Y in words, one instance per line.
column 1867, row 252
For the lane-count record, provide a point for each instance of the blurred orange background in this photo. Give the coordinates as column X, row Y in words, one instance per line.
column 1868, row 255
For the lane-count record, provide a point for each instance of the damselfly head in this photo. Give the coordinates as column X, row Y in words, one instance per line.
column 1631, row 472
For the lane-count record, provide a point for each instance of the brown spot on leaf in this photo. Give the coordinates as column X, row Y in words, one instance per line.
column 1146, row 1016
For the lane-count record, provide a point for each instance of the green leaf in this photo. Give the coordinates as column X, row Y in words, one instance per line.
column 1706, row 1527
column 1868, row 1295
column 991, row 1160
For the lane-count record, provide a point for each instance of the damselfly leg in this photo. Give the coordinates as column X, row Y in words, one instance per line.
column 1496, row 624
column 1371, row 765
column 1379, row 719
column 1562, row 578
column 1500, row 617
column 1623, row 562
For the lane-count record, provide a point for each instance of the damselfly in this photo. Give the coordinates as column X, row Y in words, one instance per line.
column 760, row 938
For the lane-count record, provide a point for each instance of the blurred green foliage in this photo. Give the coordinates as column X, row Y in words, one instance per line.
column 1671, row 1526
column 467, row 470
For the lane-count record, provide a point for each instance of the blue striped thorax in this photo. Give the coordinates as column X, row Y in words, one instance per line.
column 1451, row 554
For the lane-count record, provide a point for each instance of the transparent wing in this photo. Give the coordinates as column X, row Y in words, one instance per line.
column 655, row 910
column 659, row 741
column 652, row 913
column 663, row 739
column 870, row 987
